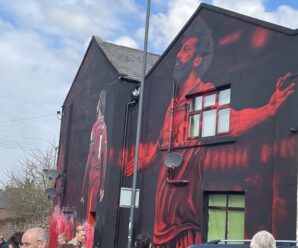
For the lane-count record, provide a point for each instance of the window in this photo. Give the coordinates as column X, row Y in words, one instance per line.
column 225, row 216
column 209, row 114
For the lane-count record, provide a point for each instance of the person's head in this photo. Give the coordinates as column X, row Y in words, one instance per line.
column 80, row 233
column 15, row 240
column 1, row 238
column 62, row 239
column 196, row 51
column 101, row 103
column 35, row 237
column 143, row 240
column 263, row 239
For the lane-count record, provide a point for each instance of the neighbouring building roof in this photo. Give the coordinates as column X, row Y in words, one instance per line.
column 3, row 200
column 127, row 61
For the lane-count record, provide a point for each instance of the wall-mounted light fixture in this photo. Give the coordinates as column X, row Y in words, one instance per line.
column 294, row 130
column 51, row 193
column 135, row 94
column 59, row 114
column 51, row 174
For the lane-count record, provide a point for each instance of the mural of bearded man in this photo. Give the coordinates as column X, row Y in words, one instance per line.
column 177, row 221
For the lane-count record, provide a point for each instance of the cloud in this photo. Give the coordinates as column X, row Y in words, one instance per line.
column 33, row 77
column 283, row 15
column 126, row 41
column 71, row 22
column 43, row 43
column 165, row 26
column 245, row 7
column 74, row 19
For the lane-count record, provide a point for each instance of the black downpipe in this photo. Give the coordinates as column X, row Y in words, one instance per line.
column 132, row 103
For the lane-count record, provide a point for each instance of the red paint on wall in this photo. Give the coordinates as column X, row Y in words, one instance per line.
column 146, row 151
column 266, row 152
column 230, row 157
column 285, row 148
column 256, row 181
column 229, row 39
column 223, row 158
column 259, row 38
column 111, row 152
column 279, row 207
column 227, row 158
column 89, row 230
column 60, row 223
column 66, row 223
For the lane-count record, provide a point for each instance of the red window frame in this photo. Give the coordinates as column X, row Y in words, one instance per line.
column 203, row 109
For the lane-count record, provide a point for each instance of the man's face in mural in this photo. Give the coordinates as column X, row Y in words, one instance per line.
column 186, row 59
column 101, row 103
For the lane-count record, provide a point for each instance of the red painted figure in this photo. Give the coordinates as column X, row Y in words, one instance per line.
column 95, row 170
column 177, row 210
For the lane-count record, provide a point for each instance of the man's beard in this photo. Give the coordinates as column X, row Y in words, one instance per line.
column 181, row 72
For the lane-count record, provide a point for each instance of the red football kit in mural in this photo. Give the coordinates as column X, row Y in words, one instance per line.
column 178, row 208
column 96, row 167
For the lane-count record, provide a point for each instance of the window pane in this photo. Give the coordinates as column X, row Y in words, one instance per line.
column 237, row 201
column 217, row 200
column 236, row 225
column 195, row 104
column 209, row 123
column 224, row 97
column 223, row 120
column 209, row 100
column 216, row 224
column 194, row 126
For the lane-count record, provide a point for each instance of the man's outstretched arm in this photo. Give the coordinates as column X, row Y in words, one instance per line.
column 245, row 119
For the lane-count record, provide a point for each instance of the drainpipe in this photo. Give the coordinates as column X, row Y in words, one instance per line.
column 139, row 124
column 128, row 104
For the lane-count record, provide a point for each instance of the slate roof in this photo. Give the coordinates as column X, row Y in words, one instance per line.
column 127, row 61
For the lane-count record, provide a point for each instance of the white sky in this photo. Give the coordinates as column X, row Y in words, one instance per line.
column 43, row 42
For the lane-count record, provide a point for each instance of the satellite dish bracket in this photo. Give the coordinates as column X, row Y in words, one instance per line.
column 172, row 161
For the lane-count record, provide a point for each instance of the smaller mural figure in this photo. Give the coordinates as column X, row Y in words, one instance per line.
column 94, row 178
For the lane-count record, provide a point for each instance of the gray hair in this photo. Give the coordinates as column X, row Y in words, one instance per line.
column 38, row 233
column 263, row 239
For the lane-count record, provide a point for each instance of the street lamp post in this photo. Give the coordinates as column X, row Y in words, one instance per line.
column 139, row 124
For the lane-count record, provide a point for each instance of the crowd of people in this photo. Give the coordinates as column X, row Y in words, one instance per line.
column 36, row 237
